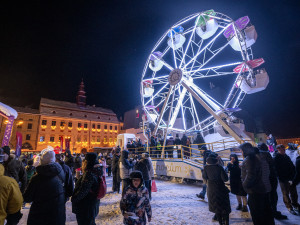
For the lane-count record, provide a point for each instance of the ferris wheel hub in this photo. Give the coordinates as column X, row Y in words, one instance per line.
column 175, row 77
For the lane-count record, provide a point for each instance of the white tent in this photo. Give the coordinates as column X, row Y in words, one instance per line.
column 8, row 111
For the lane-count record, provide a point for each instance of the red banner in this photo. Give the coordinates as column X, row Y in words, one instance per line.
column 18, row 144
column 67, row 140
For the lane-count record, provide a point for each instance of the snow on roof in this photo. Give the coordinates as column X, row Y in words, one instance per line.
column 8, row 111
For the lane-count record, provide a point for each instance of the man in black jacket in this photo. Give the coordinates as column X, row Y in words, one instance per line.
column 264, row 153
column 116, row 171
column 256, row 183
column 14, row 168
column 144, row 166
column 286, row 172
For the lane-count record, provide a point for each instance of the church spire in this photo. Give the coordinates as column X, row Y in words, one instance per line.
column 81, row 98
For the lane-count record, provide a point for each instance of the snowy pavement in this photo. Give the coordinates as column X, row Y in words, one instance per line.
column 174, row 203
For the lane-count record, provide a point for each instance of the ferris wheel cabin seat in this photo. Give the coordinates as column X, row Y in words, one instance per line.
column 155, row 61
column 148, row 90
column 208, row 30
column 261, row 82
column 250, row 38
column 176, row 38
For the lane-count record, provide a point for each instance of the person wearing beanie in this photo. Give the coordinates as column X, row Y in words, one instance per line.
column 85, row 203
column 46, row 192
column 10, row 197
column 135, row 193
column 264, row 154
column 215, row 177
column 254, row 181
column 14, row 168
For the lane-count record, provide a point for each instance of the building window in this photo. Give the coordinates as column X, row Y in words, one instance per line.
column 70, row 124
column 30, row 119
column 78, row 139
column 104, row 140
column 53, row 112
column 29, row 126
column 84, row 138
column 53, row 123
column 108, row 118
column 110, row 139
column 79, row 125
column 52, row 139
column 85, row 116
column 98, row 139
column 98, row 117
column 62, row 123
column 93, row 138
column 94, row 126
column 105, row 127
column 85, row 125
column 44, row 122
column 71, row 114
column 98, row 126
column 42, row 138
column 110, row 127
column 116, row 127
column 27, row 137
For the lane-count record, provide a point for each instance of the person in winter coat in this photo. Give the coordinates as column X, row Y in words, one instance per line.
column 296, row 179
column 68, row 182
column 200, row 142
column 84, row 200
column 116, row 171
column 30, row 170
column 125, row 169
column 46, row 192
column 78, row 162
column 14, row 168
column 144, row 167
column 108, row 163
column 265, row 154
column 254, row 181
column 10, row 197
column 236, row 186
column 202, row 193
column 286, row 172
column 153, row 146
column 169, row 149
column 218, row 194
column 69, row 160
column 135, row 203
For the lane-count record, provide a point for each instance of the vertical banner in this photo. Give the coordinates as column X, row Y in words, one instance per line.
column 18, row 144
column 67, row 143
column 61, row 138
column 8, row 130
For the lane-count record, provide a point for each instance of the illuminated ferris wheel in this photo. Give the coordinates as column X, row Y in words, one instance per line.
column 201, row 51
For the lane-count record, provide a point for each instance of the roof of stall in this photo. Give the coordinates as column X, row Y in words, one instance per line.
column 7, row 110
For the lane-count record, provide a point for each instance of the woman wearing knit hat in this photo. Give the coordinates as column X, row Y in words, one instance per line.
column 46, row 192
column 135, row 203
column 84, row 201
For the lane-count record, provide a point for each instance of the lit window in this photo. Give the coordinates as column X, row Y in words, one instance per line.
column 85, row 139
column 110, row 127
column 93, row 138
column 42, row 138
column 78, row 139
column 110, row 139
column 93, row 126
column 105, row 127
column 28, row 137
column 98, row 139
column 53, row 112
column 116, row 127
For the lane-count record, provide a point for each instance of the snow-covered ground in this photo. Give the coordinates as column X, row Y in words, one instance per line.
column 174, row 203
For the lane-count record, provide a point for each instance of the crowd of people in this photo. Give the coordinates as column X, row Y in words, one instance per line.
column 257, row 178
column 48, row 180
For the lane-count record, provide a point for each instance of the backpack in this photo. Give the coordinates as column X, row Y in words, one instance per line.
column 102, row 188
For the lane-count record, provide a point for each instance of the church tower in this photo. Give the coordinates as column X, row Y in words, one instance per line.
column 81, row 98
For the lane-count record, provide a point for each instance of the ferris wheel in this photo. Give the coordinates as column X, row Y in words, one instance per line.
column 200, row 52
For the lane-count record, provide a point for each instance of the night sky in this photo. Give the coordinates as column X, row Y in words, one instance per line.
column 47, row 48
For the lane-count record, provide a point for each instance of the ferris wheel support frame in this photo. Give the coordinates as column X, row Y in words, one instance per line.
column 220, row 121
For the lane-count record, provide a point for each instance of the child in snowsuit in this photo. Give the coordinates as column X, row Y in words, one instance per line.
column 135, row 203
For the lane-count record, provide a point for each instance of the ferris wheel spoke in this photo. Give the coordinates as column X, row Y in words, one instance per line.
column 195, row 57
column 156, row 94
column 214, row 55
column 239, row 99
column 162, row 111
column 177, row 107
column 194, row 110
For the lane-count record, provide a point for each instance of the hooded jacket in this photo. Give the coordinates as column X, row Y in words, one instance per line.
column 10, row 196
column 15, row 169
column 252, row 173
column 125, row 165
column 136, row 200
column 144, row 167
column 284, row 167
column 46, row 192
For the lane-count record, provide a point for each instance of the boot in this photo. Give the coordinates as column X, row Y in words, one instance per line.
column 239, row 207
